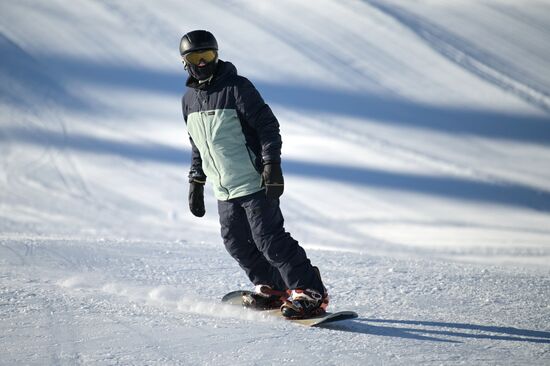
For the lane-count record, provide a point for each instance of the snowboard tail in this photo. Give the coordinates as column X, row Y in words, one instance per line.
column 235, row 298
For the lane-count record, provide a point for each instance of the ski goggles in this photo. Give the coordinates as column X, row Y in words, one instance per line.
column 196, row 57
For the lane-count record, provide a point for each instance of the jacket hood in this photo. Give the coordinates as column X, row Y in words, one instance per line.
column 223, row 70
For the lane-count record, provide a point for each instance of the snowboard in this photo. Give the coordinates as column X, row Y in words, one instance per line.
column 235, row 298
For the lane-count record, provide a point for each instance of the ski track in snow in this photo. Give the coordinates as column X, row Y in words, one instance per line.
column 415, row 150
column 477, row 61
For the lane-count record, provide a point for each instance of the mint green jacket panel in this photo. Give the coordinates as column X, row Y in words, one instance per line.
column 226, row 160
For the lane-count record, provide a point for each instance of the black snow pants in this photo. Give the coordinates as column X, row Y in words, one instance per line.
column 253, row 233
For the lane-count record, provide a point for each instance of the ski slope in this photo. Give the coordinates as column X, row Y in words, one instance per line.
column 416, row 147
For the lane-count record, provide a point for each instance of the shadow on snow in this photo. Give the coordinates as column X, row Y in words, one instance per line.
column 439, row 331
column 26, row 80
column 395, row 111
column 443, row 186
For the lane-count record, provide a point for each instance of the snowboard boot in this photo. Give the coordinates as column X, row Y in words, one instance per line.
column 264, row 298
column 306, row 303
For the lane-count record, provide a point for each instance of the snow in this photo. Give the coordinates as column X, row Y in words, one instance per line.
column 416, row 153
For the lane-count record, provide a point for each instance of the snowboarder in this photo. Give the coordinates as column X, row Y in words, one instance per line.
column 236, row 143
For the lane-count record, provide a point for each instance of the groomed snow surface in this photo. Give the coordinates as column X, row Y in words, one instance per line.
column 416, row 156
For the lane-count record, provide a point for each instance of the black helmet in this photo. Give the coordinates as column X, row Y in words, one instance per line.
column 197, row 40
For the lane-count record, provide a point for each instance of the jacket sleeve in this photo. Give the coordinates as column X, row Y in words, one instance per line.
column 258, row 115
column 196, row 173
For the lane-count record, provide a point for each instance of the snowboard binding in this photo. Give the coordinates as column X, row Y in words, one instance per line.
column 264, row 298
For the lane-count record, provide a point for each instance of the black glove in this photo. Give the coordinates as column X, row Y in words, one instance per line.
column 273, row 180
column 196, row 198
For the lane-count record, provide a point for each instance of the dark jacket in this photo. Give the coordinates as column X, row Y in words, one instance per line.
column 233, row 132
